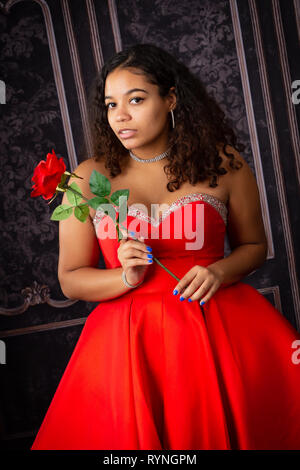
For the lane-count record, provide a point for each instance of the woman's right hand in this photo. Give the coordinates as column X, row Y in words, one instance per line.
column 133, row 256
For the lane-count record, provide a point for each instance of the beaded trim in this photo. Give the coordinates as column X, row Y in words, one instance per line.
column 182, row 201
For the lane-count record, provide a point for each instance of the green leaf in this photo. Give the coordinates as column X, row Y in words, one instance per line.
column 81, row 212
column 120, row 199
column 104, row 204
column 99, row 184
column 95, row 202
column 61, row 212
column 117, row 194
column 73, row 198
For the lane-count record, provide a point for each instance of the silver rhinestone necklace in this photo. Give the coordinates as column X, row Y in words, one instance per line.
column 149, row 160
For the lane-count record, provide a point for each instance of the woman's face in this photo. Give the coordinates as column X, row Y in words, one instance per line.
column 135, row 104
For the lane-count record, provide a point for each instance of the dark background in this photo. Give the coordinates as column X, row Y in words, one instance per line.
column 247, row 54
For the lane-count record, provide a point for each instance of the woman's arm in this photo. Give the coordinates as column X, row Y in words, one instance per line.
column 78, row 272
column 245, row 227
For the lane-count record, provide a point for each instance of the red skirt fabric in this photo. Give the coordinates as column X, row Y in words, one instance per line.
column 151, row 372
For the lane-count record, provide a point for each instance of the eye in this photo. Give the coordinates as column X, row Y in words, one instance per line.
column 134, row 98
column 107, row 105
column 137, row 98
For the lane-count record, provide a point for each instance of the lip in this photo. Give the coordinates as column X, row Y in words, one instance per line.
column 127, row 135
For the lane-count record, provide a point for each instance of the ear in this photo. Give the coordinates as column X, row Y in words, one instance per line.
column 172, row 98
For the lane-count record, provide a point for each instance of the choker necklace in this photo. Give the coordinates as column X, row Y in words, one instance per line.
column 149, row 160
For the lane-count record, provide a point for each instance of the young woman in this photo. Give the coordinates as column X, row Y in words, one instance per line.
column 203, row 362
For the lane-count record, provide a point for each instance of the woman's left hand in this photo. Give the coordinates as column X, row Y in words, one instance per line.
column 199, row 282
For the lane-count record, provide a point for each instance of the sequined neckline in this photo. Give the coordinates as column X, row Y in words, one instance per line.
column 216, row 203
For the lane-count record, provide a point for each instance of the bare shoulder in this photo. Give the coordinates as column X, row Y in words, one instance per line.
column 87, row 166
column 240, row 177
column 245, row 224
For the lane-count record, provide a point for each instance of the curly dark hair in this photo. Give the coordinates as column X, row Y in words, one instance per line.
column 201, row 129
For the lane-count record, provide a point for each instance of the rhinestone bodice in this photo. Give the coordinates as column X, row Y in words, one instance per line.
column 135, row 211
column 199, row 217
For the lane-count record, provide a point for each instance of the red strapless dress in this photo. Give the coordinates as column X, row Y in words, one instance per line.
column 152, row 372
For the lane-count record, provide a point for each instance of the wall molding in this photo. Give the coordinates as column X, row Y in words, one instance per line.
column 94, row 34
column 287, row 81
column 282, row 199
column 275, row 291
column 76, row 67
column 57, row 74
column 297, row 15
column 115, row 24
column 252, row 125
column 34, row 295
column 43, row 327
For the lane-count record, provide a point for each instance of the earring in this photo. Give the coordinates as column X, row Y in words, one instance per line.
column 173, row 120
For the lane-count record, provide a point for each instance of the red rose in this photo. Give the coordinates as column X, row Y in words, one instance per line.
column 47, row 176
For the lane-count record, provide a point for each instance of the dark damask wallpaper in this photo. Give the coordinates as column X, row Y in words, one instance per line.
column 30, row 126
column 201, row 33
column 27, row 128
column 203, row 40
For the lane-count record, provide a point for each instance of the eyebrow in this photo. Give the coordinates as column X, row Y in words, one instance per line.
column 128, row 92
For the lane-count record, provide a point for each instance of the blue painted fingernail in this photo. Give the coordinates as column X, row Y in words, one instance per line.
column 181, row 298
column 190, row 300
column 202, row 303
column 149, row 248
column 131, row 233
column 150, row 256
column 175, row 292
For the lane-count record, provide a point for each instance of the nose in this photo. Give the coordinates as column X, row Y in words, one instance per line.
column 122, row 114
